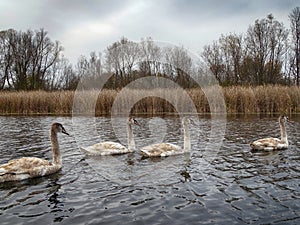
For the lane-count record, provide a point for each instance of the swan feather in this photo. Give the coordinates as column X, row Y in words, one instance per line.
column 161, row 149
column 26, row 167
column 113, row 148
column 30, row 167
column 106, row 148
column 268, row 144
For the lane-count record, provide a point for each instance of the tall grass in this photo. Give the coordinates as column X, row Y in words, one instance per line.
column 262, row 99
column 36, row 102
column 239, row 99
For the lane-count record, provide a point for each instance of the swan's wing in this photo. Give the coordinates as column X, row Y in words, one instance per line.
column 161, row 149
column 23, row 165
column 266, row 144
column 105, row 148
column 27, row 167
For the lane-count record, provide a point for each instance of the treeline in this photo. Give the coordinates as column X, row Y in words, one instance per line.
column 30, row 60
column 268, row 53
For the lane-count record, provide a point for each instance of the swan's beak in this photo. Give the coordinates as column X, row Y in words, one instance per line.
column 136, row 122
column 64, row 131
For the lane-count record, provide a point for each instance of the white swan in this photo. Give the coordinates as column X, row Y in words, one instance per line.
column 113, row 148
column 270, row 144
column 167, row 149
column 29, row 167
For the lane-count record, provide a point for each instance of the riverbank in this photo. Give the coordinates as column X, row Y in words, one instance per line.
column 266, row 100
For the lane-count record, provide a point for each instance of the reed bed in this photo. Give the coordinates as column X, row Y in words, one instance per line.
column 267, row 100
column 262, row 99
column 36, row 102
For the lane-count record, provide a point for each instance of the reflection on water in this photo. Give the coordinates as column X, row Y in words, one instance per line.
column 236, row 186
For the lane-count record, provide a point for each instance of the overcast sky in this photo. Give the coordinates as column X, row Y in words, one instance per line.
column 83, row 26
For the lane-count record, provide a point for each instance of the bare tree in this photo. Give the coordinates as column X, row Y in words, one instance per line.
column 257, row 45
column 94, row 65
column 265, row 42
column 150, row 57
column 5, row 58
column 181, row 63
column 131, row 53
column 21, row 50
column 233, row 54
column 62, row 76
column 120, row 59
column 278, row 35
column 294, row 17
column 213, row 56
column 112, row 63
column 26, row 58
column 44, row 54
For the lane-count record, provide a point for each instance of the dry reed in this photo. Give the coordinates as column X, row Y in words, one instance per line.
column 239, row 100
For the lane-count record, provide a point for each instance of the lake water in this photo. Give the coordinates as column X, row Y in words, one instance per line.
column 230, row 186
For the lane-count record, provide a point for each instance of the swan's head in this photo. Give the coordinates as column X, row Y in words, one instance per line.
column 185, row 121
column 133, row 121
column 283, row 119
column 58, row 128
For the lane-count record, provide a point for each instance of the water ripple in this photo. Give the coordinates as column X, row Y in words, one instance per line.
column 236, row 186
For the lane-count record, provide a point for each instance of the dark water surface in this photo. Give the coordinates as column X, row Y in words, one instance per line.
column 234, row 186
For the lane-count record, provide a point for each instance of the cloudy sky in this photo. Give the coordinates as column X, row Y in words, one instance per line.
column 83, row 26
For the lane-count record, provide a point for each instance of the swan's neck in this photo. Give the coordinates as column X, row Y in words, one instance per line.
column 55, row 148
column 131, row 144
column 186, row 139
column 283, row 133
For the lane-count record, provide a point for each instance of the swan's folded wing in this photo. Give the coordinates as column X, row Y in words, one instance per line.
column 108, row 145
column 161, row 149
column 105, row 148
column 23, row 165
column 266, row 144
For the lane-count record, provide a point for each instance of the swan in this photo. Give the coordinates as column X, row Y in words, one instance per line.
column 113, row 148
column 270, row 144
column 167, row 149
column 29, row 167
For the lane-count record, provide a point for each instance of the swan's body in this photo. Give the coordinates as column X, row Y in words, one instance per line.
column 113, row 148
column 106, row 148
column 167, row 149
column 29, row 167
column 269, row 144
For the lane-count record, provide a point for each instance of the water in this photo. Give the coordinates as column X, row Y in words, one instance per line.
column 235, row 186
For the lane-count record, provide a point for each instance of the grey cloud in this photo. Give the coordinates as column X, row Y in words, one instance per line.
column 187, row 22
column 60, row 14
